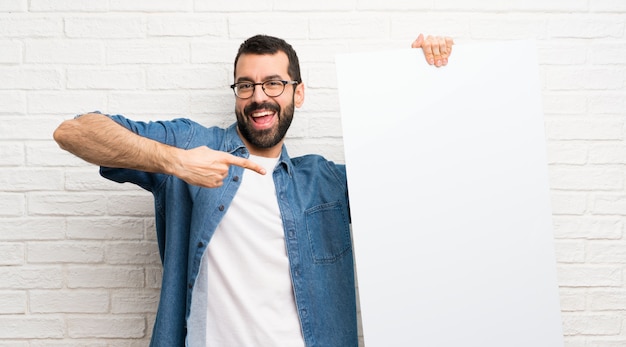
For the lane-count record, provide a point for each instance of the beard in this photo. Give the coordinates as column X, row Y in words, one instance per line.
column 266, row 138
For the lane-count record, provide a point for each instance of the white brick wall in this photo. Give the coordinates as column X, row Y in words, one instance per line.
column 78, row 257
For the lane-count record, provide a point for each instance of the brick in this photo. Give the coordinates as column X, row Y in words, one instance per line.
column 12, row 205
column 69, row 301
column 48, row 154
column 145, row 301
column 82, row 343
column 106, row 327
column 607, row 153
column 65, row 252
column 28, row 128
column 229, row 6
column 26, row 277
column 67, row 204
column 285, row 26
column 584, row 129
column 585, row 79
column 12, row 154
column 105, row 27
column 602, row 53
column 508, row 27
column 12, row 302
column 567, row 152
column 106, row 78
column 573, row 299
column 105, row 228
column 558, row 103
column 577, row 275
column 154, row 277
column 133, row 253
column 13, row 6
column 156, row 104
column 212, row 77
column 562, row 54
column 152, row 5
column 69, row 103
column 187, row 25
column 607, row 6
column 147, row 52
column 105, row 277
column 21, row 180
column 609, row 205
column 11, row 254
column 349, row 26
column 64, row 52
column 214, row 51
column 590, row 228
column 402, row 5
column 138, row 205
column 403, row 27
column 25, row 229
column 585, row 26
column 591, row 324
column 31, row 327
column 607, row 103
column 68, row 5
column 30, row 26
column 12, row 103
column 10, row 52
column 29, row 78
column 570, row 251
column 586, row 178
column 550, row 6
column 606, row 252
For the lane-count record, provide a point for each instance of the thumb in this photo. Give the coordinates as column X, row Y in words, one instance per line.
column 418, row 41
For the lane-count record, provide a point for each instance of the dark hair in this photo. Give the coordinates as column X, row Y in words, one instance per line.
column 263, row 44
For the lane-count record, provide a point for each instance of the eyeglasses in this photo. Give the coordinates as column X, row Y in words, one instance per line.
column 272, row 88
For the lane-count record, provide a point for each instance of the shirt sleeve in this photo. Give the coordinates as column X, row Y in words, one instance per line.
column 177, row 133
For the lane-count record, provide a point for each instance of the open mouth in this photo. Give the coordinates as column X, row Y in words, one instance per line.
column 263, row 117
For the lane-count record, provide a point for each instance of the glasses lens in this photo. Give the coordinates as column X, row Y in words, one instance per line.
column 273, row 88
column 244, row 90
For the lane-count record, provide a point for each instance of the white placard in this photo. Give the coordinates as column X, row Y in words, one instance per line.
column 448, row 182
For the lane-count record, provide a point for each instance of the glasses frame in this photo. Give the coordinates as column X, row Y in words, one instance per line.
column 262, row 84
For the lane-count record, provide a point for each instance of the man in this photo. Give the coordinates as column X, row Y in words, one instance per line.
column 257, row 257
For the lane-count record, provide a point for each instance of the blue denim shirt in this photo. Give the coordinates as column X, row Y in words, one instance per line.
column 313, row 200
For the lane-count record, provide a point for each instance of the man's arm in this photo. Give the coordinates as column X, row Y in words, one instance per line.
column 99, row 140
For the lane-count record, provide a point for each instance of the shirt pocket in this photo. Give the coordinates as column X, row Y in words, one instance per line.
column 328, row 229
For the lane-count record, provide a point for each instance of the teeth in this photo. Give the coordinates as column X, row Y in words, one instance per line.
column 262, row 114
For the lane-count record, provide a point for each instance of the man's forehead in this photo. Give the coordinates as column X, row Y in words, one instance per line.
column 272, row 64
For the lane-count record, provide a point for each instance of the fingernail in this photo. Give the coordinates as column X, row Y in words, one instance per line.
column 431, row 61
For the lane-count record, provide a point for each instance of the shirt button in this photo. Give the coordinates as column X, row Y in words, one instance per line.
column 292, row 234
column 200, row 244
column 236, row 178
column 221, row 208
column 190, row 285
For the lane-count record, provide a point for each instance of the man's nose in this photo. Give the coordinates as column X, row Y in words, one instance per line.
column 259, row 93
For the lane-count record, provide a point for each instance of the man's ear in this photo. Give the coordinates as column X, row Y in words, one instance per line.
column 298, row 97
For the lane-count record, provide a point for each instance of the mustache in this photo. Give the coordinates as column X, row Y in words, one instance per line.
column 262, row 106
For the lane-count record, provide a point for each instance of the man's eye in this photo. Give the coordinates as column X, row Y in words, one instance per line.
column 244, row 86
column 272, row 84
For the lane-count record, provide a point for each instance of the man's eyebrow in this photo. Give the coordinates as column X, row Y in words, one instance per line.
column 267, row 78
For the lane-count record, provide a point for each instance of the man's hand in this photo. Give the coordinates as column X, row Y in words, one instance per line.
column 437, row 49
column 204, row 167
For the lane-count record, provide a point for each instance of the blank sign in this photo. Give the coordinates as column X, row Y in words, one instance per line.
column 449, row 195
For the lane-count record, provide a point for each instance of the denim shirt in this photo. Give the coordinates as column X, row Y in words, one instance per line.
column 313, row 200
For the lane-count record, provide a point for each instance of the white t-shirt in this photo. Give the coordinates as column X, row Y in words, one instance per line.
column 243, row 295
